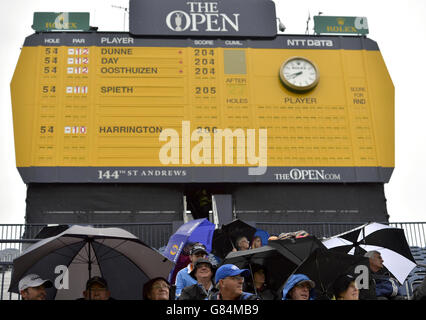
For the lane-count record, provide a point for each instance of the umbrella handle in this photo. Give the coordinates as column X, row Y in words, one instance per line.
column 89, row 244
column 252, row 279
column 90, row 263
column 363, row 235
column 232, row 244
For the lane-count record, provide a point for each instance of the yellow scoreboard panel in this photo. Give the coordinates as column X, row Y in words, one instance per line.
column 108, row 107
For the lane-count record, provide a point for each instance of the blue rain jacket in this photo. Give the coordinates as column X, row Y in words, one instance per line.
column 292, row 281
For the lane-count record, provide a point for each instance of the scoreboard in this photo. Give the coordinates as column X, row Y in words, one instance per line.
column 112, row 107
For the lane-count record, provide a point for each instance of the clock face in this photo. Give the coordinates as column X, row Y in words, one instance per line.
column 299, row 74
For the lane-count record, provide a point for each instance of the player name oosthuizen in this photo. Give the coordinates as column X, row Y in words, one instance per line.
column 131, row 70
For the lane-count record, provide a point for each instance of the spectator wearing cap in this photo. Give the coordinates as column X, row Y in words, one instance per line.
column 203, row 272
column 229, row 280
column 344, row 288
column 97, row 289
column 183, row 278
column 299, row 287
column 33, row 287
column 157, row 289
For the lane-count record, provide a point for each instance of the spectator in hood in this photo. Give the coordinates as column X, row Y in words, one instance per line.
column 260, row 238
column 299, row 287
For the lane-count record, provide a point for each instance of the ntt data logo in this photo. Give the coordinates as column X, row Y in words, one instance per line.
column 308, row 175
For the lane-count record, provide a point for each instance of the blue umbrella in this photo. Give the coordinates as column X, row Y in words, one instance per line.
column 199, row 230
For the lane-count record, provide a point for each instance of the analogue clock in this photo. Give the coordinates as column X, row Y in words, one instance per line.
column 299, row 74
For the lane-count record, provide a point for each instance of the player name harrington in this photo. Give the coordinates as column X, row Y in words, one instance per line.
column 130, row 129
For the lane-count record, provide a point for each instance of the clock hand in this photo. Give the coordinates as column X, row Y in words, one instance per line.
column 294, row 75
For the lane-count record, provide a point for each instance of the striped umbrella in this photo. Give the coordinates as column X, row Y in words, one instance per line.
column 373, row 236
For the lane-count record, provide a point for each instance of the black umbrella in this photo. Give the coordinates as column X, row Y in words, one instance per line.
column 298, row 248
column 277, row 265
column 51, row 231
column 324, row 266
column 113, row 253
column 389, row 241
column 225, row 237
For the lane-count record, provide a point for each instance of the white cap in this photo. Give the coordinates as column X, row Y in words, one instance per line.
column 32, row 281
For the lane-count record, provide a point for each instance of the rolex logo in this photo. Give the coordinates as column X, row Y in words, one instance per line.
column 341, row 21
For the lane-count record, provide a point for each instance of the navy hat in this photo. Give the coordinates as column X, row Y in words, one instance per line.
column 342, row 283
column 198, row 247
column 96, row 279
column 230, row 270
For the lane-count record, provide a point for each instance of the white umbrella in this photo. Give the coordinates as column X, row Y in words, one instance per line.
column 112, row 253
column 389, row 241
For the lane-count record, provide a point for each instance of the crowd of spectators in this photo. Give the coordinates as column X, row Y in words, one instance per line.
column 201, row 279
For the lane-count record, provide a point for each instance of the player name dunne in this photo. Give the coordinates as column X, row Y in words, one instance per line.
column 117, row 51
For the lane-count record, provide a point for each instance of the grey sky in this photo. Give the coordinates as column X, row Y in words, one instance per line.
column 399, row 29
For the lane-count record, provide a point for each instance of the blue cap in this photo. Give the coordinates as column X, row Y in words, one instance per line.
column 230, row 270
